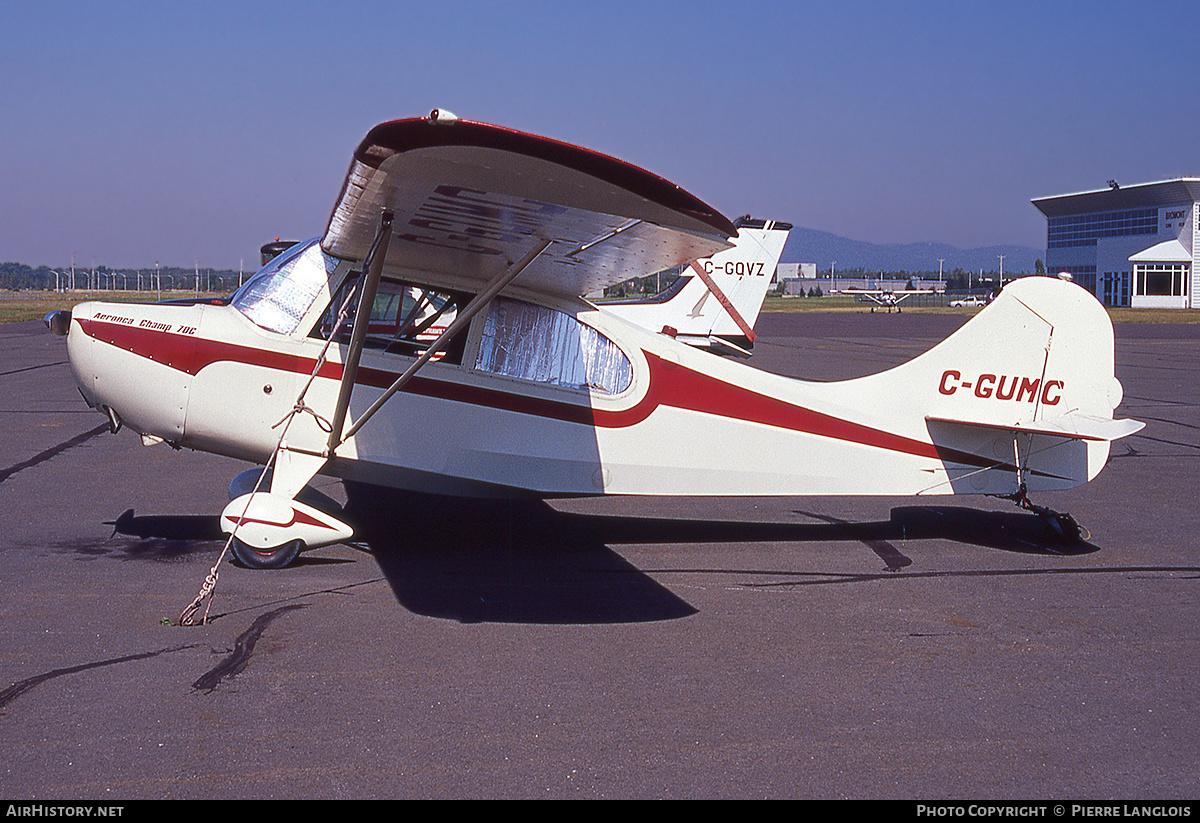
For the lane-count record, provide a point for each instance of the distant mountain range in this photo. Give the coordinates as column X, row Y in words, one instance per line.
column 823, row 248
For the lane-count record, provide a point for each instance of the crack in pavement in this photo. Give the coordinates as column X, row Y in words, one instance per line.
column 53, row 451
column 243, row 648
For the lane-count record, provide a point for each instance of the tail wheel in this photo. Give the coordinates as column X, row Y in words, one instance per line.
column 273, row 558
column 1063, row 528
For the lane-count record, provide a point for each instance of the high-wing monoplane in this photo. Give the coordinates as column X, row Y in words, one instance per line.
column 885, row 298
column 434, row 338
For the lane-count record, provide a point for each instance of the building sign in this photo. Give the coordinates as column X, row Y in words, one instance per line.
column 1174, row 218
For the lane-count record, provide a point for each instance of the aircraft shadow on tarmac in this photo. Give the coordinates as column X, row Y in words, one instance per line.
column 525, row 562
column 163, row 538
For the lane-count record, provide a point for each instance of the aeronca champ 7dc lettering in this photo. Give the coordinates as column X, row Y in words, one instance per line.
column 434, row 338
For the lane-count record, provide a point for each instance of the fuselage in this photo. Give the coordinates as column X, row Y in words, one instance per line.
column 556, row 397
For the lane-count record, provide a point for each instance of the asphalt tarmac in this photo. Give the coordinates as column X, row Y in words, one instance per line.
column 940, row 648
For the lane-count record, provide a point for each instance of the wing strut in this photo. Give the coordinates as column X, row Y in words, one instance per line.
column 473, row 308
column 725, row 301
column 362, row 319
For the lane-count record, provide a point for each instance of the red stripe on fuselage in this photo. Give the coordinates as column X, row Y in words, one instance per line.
column 670, row 385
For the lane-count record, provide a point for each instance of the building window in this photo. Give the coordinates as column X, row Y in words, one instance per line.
column 1085, row 229
column 1115, row 288
column 1084, row 276
column 1161, row 279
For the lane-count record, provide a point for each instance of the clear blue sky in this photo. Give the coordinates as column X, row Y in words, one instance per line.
column 194, row 132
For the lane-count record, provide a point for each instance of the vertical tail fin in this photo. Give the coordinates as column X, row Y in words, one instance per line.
column 716, row 301
column 1021, row 396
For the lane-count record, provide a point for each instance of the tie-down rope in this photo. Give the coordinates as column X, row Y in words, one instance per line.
column 186, row 617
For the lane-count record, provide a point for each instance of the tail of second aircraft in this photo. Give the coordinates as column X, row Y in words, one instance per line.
column 715, row 302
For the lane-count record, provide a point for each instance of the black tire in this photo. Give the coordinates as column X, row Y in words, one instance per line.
column 1062, row 528
column 275, row 558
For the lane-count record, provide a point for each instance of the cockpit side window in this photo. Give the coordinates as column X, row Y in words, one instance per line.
column 540, row 344
column 281, row 293
column 406, row 318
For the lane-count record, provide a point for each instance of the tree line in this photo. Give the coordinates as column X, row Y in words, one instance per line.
column 21, row 277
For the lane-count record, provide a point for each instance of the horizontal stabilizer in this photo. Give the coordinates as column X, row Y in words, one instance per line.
column 1070, row 426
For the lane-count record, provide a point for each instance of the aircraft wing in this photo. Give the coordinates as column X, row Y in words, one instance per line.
column 899, row 293
column 469, row 198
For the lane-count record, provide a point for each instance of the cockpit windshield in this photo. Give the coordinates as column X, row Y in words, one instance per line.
column 281, row 293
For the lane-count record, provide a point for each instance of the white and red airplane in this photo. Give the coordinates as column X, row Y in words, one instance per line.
column 323, row 362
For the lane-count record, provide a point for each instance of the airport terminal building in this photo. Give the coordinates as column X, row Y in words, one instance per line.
column 1129, row 245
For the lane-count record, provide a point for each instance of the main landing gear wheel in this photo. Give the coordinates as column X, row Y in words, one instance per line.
column 275, row 558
